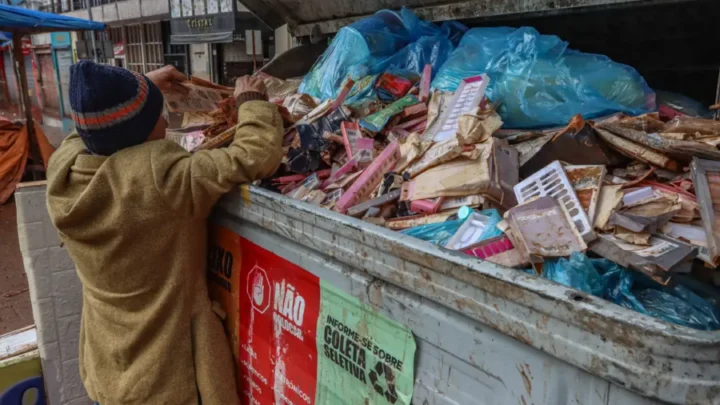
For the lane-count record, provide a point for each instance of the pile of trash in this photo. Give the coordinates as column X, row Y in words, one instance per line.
column 413, row 127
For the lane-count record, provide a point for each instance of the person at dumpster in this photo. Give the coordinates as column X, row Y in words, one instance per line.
column 132, row 208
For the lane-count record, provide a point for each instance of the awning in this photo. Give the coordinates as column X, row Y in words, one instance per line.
column 5, row 39
column 22, row 20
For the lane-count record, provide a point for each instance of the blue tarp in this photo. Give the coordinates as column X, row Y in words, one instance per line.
column 18, row 19
column 5, row 38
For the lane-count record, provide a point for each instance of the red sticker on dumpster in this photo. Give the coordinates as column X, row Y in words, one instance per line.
column 278, row 319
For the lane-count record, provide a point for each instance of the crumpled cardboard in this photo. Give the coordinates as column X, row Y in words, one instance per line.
column 493, row 173
column 681, row 150
column 437, row 154
column 459, row 177
column 639, row 152
column 478, row 127
column 411, row 150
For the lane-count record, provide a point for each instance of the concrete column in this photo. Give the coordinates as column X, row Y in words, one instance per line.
column 283, row 40
column 200, row 61
column 55, row 294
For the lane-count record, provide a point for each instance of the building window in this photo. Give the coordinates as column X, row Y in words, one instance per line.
column 154, row 58
column 133, row 52
column 115, row 35
column 144, row 49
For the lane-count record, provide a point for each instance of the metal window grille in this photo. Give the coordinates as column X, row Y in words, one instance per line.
column 154, row 55
column 115, row 34
column 134, row 48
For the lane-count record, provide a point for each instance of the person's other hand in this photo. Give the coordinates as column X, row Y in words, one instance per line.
column 247, row 84
column 168, row 79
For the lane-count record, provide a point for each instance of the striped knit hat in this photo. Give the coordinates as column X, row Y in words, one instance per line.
column 113, row 108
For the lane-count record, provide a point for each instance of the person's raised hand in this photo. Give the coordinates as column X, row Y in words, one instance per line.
column 168, row 80
column 247, row 84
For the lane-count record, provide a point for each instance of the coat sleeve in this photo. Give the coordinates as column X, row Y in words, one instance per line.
column 192, row 183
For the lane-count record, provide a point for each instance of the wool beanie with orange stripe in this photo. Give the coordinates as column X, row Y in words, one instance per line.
column 113, row 108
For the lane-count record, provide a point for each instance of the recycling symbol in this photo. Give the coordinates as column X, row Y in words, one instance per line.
column 382, row 369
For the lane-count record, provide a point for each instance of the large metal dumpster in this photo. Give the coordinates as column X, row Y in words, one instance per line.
column 484, row 334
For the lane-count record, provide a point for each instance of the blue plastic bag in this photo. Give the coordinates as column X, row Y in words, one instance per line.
column 398, row 43
column 454, row 31
column 618, row 282
column 603, row 278
column 578, row 273
column 353, row 51
column 438, row 234
column 416, row 27
column 412, row 59
column 681, row 306
column 539, row 82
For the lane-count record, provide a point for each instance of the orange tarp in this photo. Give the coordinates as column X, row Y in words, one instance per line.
column 14, row 151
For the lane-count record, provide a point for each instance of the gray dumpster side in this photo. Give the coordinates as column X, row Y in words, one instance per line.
column 486, row 334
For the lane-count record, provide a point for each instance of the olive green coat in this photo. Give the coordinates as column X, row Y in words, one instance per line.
column 135, row 225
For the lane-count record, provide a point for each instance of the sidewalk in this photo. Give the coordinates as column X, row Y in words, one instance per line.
column 15, row 309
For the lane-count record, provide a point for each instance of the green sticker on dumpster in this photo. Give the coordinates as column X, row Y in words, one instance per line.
column 363, row 356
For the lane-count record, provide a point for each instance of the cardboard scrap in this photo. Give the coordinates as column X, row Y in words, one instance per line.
column 611, row 197
column 647, row 123
column 636, row 238
column 457, row 178
column 586, row 181
column 198, row 99
column 437, row 154
column 691, row 125
column 677, row 149
column 661, row 257
column 411, row 150
column 477, row 127
column 635, row 151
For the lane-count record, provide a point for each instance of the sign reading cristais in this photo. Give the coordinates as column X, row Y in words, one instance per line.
column 303, row 341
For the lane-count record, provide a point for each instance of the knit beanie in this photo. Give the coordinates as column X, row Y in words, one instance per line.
column 113, row 108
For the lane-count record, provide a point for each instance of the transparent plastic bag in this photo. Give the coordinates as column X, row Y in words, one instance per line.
column 683, row 104
column 438, row 234
column 538, row 82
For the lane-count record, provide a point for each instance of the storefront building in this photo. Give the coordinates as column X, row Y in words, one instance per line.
column 225, row 40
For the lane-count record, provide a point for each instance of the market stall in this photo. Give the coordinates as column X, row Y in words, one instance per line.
column 17, row 22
